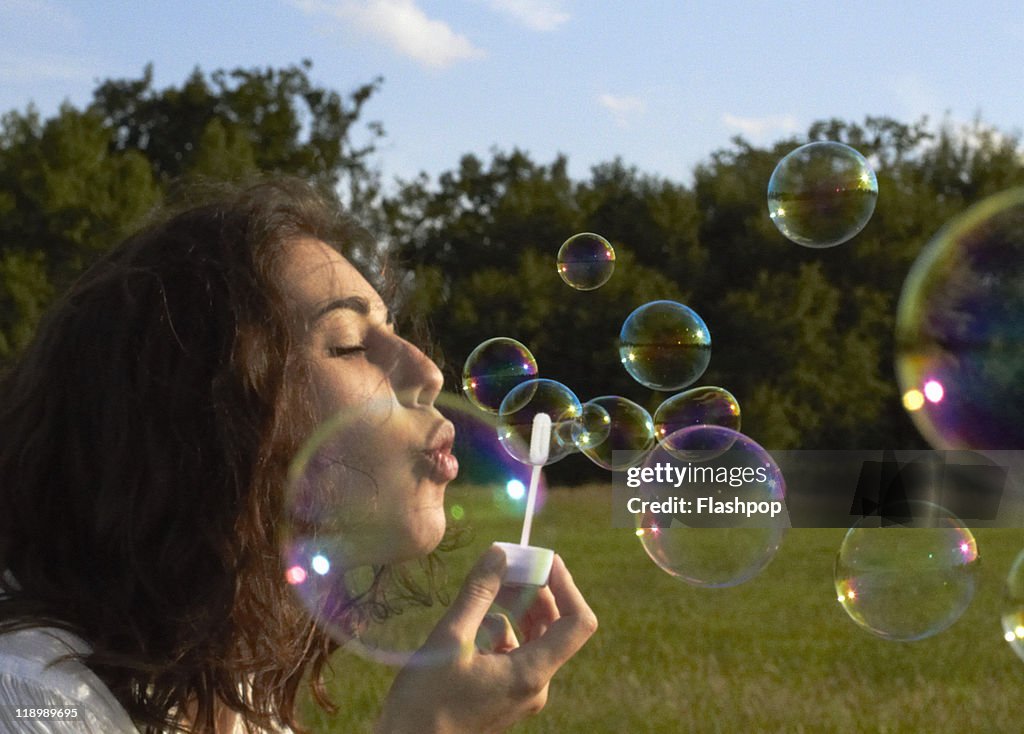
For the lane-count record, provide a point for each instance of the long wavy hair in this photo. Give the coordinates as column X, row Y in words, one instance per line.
column 145, row 437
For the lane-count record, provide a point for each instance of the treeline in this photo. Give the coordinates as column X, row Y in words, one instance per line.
column 803, row 338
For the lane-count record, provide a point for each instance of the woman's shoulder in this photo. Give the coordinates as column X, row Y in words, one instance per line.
column 35, row 653
column 35, row 672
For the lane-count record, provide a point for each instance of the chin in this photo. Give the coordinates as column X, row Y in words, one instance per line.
column 417, row 542
column 431, row 532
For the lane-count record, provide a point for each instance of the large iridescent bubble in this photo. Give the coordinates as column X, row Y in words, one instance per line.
column 664, row 345
column 907, row 574
column 515, row 418
column 328, row 522
column 822, row 194
column 718, row 518
column 960, row 330
column 493, row 368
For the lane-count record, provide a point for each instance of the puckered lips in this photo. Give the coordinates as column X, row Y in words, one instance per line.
column 443, row 466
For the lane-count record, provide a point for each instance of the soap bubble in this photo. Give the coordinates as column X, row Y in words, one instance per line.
column 664, row 345
column 960, row 330
column 908, row 574
column 630, row 434
column 1013, row 607
column 594, row 427
column 493, row 369
column 325, row 528
column 822, row 194
column 515, row 418
column 718, row 520
column 586, row 261
column 699, row 406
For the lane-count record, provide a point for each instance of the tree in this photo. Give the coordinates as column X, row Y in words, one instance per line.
column 73, row 185
column 24, row 291
column 802, row 337
column 64, row 198
column 277, row 120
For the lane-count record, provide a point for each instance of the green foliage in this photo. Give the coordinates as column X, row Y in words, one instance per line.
column 68, row 193
column 802, row 337
column 819, row 386
column 224, row 125
column 24, row 291
column 223, row 154
column 73, row 185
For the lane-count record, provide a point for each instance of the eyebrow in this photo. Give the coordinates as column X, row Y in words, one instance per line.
column 358, row 304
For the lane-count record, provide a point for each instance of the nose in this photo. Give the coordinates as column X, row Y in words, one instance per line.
column 417, row 381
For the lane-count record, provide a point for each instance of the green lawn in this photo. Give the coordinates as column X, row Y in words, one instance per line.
column 776, row 654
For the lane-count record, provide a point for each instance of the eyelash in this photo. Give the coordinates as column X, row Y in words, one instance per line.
column 345, row 351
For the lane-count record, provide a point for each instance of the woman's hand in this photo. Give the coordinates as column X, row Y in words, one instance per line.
column 452, row 686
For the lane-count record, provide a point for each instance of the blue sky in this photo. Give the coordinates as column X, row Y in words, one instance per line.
column 661, row 84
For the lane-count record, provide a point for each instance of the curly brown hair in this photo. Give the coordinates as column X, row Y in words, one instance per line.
column 146, row 436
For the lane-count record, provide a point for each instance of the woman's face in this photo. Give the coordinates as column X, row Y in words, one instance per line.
column 386, row 465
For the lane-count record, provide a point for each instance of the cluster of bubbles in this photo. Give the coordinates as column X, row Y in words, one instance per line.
column 908, row 573
column 664, row 346
column 901, row 575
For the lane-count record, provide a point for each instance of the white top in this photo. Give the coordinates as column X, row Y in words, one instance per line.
column 27, row 680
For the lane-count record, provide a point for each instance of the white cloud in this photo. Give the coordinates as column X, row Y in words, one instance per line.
column 758, row 129
column 402, row 25
column 623, row 108
column 537, row 15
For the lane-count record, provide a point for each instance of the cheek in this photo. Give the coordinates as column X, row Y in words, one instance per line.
column 330, row 397
column 331, row 488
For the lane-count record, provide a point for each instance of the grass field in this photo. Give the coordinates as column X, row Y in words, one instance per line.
column 776, row 654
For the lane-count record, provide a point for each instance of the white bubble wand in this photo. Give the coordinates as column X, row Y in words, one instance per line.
column 526, row 564
column 540, row 446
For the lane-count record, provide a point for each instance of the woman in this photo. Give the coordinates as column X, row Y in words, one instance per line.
column 145, row 440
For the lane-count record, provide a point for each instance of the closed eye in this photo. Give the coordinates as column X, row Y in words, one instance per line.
column 345, row 351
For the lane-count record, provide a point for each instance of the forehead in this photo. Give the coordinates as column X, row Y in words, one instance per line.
column 312, row 273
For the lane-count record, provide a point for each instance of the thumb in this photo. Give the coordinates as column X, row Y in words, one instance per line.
column 478, row 592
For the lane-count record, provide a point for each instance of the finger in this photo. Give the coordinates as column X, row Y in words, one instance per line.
column 541, row 614
column 519, row 600
column 566, row 635
column 496, row 634
column 478, row 592
column 532, row 608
